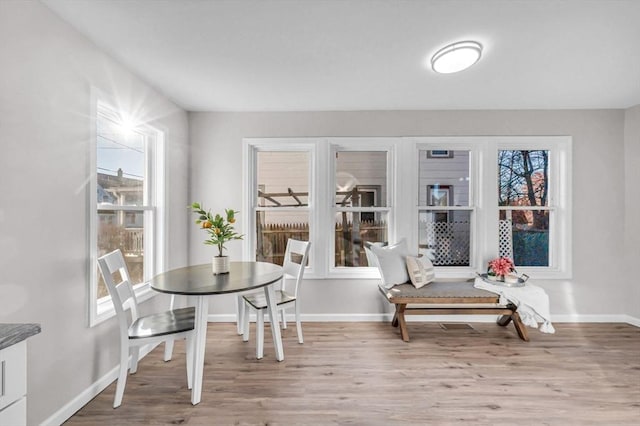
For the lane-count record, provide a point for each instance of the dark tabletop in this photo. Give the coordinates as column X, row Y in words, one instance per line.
column 199, row 280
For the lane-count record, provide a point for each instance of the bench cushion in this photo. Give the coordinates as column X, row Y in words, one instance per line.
column 439, row 292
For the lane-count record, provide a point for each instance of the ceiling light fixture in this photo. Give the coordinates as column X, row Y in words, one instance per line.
column 456, row 57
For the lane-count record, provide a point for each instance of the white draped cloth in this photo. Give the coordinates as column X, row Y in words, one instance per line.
column 532, row 302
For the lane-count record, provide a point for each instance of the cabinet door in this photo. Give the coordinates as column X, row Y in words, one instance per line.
column 13, row 373
column 15, row 414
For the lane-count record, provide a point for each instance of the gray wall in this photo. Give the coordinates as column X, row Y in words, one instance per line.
column 46, row 71
column 632, row 207
column 598, row 190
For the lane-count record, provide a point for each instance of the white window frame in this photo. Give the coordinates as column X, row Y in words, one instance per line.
column 251, row 147
column 558, row 201
column 484, row 199
column 321, row 200
column 386, row 145
column 475, row 184
column 153, row 208
column 402, row 190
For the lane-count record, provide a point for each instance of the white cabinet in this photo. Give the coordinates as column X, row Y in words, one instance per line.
column 13, row 385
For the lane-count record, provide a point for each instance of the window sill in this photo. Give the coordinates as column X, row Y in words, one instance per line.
column 104, row 307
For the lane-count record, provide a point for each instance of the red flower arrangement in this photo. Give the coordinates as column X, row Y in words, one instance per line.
column 501, row 266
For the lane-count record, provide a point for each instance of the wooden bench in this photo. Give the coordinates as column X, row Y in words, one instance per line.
column 448, row 298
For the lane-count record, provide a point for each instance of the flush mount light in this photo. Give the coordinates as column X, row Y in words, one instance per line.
column 456, row 57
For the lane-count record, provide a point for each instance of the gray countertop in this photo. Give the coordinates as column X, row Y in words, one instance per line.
column 10, row 334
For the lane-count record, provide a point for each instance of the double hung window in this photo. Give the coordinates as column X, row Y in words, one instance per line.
column 360, row 204
column 533, row 200
column 126, row 190
column 281, row 201
column 457, row 200
column 334, row 192
column 523, row 202
column 483, row 197
column 445, row 206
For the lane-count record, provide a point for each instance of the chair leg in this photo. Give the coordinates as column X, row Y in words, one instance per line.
column 135, row 354
column 168, row 344
column 260, row 333
column 298, row 323
column 122, row 375
column 245, row 323
column 189, row 343
column 168, row 349
column 240, row 308
column 284, row 319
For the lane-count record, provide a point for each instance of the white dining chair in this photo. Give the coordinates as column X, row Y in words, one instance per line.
column 141, row 330
column 286, row 297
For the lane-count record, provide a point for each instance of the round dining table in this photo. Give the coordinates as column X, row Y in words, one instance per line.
column 199, row 282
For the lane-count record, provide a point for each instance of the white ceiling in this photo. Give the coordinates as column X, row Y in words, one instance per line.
column 297, row 55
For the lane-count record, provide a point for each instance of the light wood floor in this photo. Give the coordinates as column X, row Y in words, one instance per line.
column 363, row 374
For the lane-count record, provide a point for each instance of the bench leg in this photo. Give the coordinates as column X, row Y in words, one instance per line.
column 504, row 320
column 520, row 328
column 402, row 322
column 394, row 321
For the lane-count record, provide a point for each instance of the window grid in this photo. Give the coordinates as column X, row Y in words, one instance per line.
column 127, row 180
column 481, row 209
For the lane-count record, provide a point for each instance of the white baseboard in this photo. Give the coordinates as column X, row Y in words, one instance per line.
column 70, row 408
column 384, row 317
column 596, row 318
column 632, row 320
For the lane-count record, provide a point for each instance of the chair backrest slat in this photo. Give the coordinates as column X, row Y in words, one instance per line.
column 294, row 269
column 122, row 294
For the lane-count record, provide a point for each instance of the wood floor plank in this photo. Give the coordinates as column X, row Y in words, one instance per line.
column 363, row 374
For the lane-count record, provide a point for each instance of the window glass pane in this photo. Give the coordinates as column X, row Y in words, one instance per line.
column 444, row 237
column 530, row 236
column 443, row 178
column 122, row 230
column 282, row 179
column 523, row 178
column 524, row 181
column 361, row 179
column 120, row 159
column 353, row 229
column 274, row 228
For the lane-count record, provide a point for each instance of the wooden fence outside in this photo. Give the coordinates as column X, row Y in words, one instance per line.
column 349, row 240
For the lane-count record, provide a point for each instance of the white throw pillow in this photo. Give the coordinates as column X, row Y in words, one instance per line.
column 420, row 270
column 371, row 257
column 391, row 263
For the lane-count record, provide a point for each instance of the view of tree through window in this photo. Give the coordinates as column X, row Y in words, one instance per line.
column 523, row 188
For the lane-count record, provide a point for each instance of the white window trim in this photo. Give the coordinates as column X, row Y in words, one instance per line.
column 321, row 209
column 102, row 309
column 250, row 149
column 484, row 199
column 474, row 147
column 403, row 191
column 351, row 144
column 559, row 201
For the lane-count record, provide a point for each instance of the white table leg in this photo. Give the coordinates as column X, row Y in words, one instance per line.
column 270, row 295
column 240, row 314
column 202, row 312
